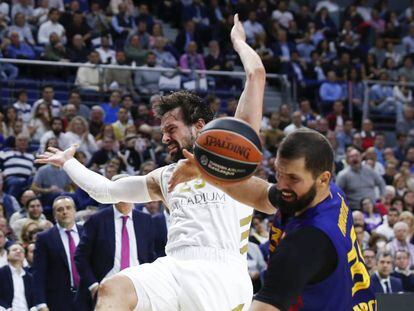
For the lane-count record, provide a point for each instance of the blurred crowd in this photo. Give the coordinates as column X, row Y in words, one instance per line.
column 327, row 51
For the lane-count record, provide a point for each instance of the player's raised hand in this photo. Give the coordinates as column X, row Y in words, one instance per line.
column 55, row 156
column 185, row 170
column 237, row 32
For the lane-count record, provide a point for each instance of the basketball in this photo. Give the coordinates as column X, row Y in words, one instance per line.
column 228, row 150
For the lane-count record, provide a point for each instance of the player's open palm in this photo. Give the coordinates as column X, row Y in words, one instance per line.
column 237, row 32
column 184, row 171
column 55, row 156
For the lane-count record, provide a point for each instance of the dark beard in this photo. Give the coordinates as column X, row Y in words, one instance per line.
column 179, row 154
column 296, row 205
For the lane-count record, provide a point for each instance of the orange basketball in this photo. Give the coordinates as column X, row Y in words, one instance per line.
column 228, row 149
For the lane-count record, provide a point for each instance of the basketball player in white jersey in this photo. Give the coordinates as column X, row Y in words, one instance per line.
column 205, row 267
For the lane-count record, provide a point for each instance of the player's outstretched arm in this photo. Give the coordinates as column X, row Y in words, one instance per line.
column 133, row 189
column 250, row 107
column 252, row 192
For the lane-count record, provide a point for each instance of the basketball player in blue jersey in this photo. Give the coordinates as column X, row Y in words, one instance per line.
column 315, row 261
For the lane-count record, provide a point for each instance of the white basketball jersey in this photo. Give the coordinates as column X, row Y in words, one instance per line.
column 202, row 215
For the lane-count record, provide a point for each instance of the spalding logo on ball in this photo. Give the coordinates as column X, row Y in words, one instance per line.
column 228, row 149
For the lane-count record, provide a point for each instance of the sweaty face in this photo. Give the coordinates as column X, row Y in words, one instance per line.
column 176, row 134
column 296, row 187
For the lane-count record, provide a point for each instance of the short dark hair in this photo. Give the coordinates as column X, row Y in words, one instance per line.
column 311, row 145
column 56, row 119
column 192, row 106
column 31, row 200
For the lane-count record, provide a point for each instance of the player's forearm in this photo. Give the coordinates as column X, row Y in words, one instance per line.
column 129, row 189
column 252, row 192
column 250, row 104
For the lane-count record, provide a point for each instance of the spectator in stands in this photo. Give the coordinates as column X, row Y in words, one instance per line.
column 3, row 251
column 97, row 21
column 22, row 6
column 48, row 94
column 401, row 241
column 111, row 108
column 30, row 230
column 87, row 78
column 78, row 133
column 123, row 24
column 147, row 82
column 382, row 281
column 106, row 53
column 22, row 29
column 386, row 228
column 22, row 213
column 40, row 123
column 296, row 123
column 143, row 35
column 164, row 58
column 102, row 253
column 256, row 265
column 191, row 59
column 55, row 273
column 405, row 119
column 78, row 26
column 370, row 260
column 337, row 117
column 121, row 124
column 16, row 284
column 330, row 92
column 356, row 187
column 18, row 49
column 259, row 234
column 407, row 69
column 283, row 47
column 22, row 106
column 402, row 270
column 17, row 166
column 118, row 79
column 76, row 99
column 8, row 71
column 408, row 41
column 408, row 218
column 104, row 154
column 372, row 219
column 78, row 52
column 252, row 27
column 187, row 35
column 41, row 12
column 96, row 120
column 34, row 210
column 134, row 52
column 51, row 26
column 402, row 93
column 56, row 131
column 370, row 159
column 49, row 182
column 367, row 134
column 273, row 134
column 55, row 50
column 10, row 118
column 9, row 202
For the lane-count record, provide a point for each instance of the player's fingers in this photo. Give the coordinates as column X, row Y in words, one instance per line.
column 42, row 156
column 188, row 155
column 40, row 161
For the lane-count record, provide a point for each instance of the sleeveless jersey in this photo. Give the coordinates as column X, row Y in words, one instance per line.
column 204, row 216
column 348, row 287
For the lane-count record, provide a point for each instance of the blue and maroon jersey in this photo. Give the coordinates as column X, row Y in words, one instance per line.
column 348, row 287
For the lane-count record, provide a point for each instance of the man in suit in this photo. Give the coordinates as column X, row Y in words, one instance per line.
column 16, row 285
column 402, row 270
column 381, row 280
column 55, row 273
column 114, row 239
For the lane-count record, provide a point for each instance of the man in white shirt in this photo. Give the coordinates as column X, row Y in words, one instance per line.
column 48, row 94
column 107, row 55
column 17, row 294
column 282, row 15
column 296, row 123
column 252, row 27
column 55, row 273
column 51, row 26
column 55, row 132
column 386, row 228
column 88, row 78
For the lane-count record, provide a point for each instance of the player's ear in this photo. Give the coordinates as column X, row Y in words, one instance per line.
column 325, row 178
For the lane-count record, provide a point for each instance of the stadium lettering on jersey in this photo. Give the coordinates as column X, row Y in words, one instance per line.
column 216, row 142
column 201, row 198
